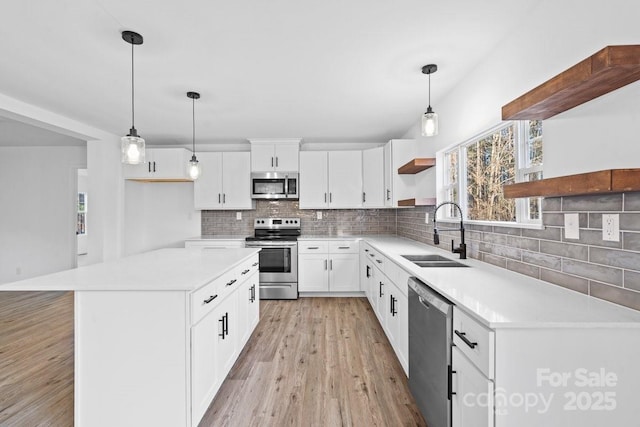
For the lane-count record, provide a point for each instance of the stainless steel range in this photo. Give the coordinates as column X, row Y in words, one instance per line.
column 278, row 239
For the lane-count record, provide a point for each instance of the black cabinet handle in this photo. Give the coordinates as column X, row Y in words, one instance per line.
column 368, row 271
column 372, row 255
column 379, row 261
column 219, row 198
column 231, row 282
column 450, row 382
column 381, row 293
column 224, row 198
column 366, row 250
column 245, row 271
column 255, row 263
column 154, row 166
column 222, row 333
column 226, row 323
column 464, row 339
column 149, row 164
column 388, row 196
column 364, row 197
column 393, row 306
column 272, row 162
column 211, row 298
column 276, row 161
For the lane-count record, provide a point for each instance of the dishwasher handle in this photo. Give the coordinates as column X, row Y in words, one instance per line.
column 430, row 298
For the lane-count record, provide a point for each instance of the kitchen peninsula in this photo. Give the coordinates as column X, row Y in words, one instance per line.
column 156, row 333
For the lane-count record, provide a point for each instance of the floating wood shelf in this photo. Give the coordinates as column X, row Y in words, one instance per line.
column 606, row 181
column 416, row 165
column 603, row 72
column 417, row 202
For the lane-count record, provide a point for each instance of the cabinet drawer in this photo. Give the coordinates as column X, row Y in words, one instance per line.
column 475, row 341
column 206, row 298
column 248, row 268
column 398, row 276
column 343, row 247
column 313, row 247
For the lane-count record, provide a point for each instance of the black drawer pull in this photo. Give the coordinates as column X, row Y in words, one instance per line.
column 255, row 263
column 463, row 337
column 245, row 271
column 313, row 247
column 211, row 298
column 231, row 282
column 344, row 247
column 371, row 254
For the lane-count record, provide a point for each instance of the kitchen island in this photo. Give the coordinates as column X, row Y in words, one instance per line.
column 156, row 333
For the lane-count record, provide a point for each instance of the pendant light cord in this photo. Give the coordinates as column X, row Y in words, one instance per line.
column 429, row 89
column 133, row 115
column 193, row 114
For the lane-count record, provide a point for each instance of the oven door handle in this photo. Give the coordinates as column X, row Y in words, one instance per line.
column 268, row 244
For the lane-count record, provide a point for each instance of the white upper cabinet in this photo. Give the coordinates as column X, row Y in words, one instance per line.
column 398, row 152
column 330, row 180
column 345, row 179
column 313, row 180
column 373, row 178
column 162, row 164
column 225, row 181
column 269, row 155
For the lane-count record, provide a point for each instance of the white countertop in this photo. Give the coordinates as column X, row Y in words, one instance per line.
column 500, row 298
column 217, row 237
column 160, row 270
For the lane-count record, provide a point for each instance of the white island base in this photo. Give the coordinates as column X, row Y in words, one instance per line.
column 156, row 333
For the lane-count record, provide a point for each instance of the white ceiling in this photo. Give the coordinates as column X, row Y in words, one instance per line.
column 322, row 70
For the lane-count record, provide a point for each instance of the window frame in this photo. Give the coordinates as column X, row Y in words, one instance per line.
column 521, row 136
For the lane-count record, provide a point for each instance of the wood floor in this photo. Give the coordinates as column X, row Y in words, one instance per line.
column 315, row 362
column 36, row 359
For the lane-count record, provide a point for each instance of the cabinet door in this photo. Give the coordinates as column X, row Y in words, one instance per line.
column 344, row 272
column 205, row 378
column 470, row 385
column 236, row 180
column 227, row 345
column 373, row 178
column 286, row 157
column 254, row 303
column 345, row 179
column 207, row 189
column 388, row 175
column 313, row 180
column 313, row 273
column 380, row 291
column 262, row 158
column 169, row 163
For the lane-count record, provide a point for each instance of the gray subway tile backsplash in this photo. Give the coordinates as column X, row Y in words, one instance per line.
column 590, row 265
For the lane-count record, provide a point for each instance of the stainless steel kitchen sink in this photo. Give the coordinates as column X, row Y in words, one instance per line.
column 432, row 261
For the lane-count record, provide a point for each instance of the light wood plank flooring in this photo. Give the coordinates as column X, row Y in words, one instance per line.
column 315, row 362
column 36, row 359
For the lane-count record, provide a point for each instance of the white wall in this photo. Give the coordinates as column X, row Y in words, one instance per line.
column 38, row 210
column 555, row 36
column 103, row 162
column 158, row 215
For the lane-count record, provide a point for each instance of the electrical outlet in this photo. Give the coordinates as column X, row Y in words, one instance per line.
column 426, row 218
column 238, row 216
column 611, row 227
column 572, row 226
column 319, row 214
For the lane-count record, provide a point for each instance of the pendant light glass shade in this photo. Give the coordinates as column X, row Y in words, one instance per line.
column 429, row 118
column 193, row 167
column 132, row 145
column 429, row 123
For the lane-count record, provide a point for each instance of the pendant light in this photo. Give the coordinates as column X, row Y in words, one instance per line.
column 429, row 118
column 193, row 167
column 133, row 151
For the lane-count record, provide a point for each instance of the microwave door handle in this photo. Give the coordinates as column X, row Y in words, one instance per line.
column 286, row 184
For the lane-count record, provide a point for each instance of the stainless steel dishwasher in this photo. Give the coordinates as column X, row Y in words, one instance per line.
column 430, row 324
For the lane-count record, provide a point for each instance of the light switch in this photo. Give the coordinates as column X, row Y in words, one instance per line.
column 426, row 218
column 611, row 227
column 319, row 214
column 238, row 216
column 572, row 226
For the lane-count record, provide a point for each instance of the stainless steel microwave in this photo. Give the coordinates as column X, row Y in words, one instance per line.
column 274, row 185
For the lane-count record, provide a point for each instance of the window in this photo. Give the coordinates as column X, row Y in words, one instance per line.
column 476, row 170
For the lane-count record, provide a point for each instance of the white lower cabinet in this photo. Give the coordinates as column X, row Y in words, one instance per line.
column 213, row 344
column 328, row 266
column 472, row 403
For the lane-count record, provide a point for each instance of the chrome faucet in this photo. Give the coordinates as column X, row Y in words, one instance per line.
column 462, row 249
